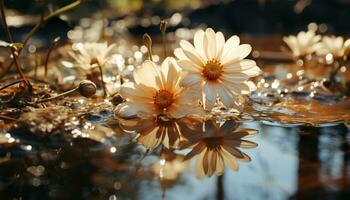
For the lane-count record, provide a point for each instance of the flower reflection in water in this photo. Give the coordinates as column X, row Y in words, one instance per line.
column 217, row 145
column 154, row 131
column 168, row 168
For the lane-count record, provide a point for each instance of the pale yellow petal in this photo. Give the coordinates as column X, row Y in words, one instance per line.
column 191, row 53
column 198, row 40
column 220, row 43
column 191, row 79
column 209, row 44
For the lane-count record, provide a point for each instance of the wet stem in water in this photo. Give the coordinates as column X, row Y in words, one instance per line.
column 102, row 81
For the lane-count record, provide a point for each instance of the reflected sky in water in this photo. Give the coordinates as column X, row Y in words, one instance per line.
column 275, row 171
column 287, row 163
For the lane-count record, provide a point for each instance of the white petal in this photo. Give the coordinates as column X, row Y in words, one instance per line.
column 234, row 87
column 148, row 74
column 198, row 43
column 191, row 79
column 179, row 53
column 220, row 43
column 189, row 66
column 226, row 97
column 189, row 96
column 172, row 73
column 210, row 43
column 236, row 77
column 251, row 85
column 230, row 44
column 126, row 110
column 210, row 91
column 245, row 66
column 236, row 54
column 191, row 53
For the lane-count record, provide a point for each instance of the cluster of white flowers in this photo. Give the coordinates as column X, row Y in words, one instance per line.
column 308, row 43
column 210, row 71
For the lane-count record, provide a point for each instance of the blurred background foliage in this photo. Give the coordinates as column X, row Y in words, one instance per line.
column 252, row 17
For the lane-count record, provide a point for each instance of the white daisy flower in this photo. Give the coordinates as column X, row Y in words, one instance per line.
column 331, row 45
column 88, row 55
column 157, row 91
column 303, row 44
column 218, row 67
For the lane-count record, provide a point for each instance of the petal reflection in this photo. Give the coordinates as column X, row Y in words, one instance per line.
column 153, row 131
column 218, row 145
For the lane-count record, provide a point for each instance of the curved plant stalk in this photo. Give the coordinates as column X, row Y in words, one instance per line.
column 14, row 83
column 102, row 81
column 3, row 117
column 52, row 46
column 163, row 27
column 147, row 41
column 9, row 38
column 37, row 26
column 58, row 96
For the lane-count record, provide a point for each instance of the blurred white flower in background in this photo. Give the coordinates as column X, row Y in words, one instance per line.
column 303, row 44
column 89, row 55
column 331, row 45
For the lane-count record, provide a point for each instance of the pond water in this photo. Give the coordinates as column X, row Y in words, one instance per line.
column 288, row 163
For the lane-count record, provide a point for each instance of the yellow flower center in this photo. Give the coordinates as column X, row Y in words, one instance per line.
column 163, row 99
column 212, row 70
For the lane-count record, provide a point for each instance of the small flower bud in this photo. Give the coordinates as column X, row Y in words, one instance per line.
column 87, row 88
column 56, row 40
column 16, row 46
column 163, row 25
column 147, row 41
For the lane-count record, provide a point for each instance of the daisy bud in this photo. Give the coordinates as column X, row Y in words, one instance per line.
column 147, row 41
column 87, row 88
column 163, row 25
